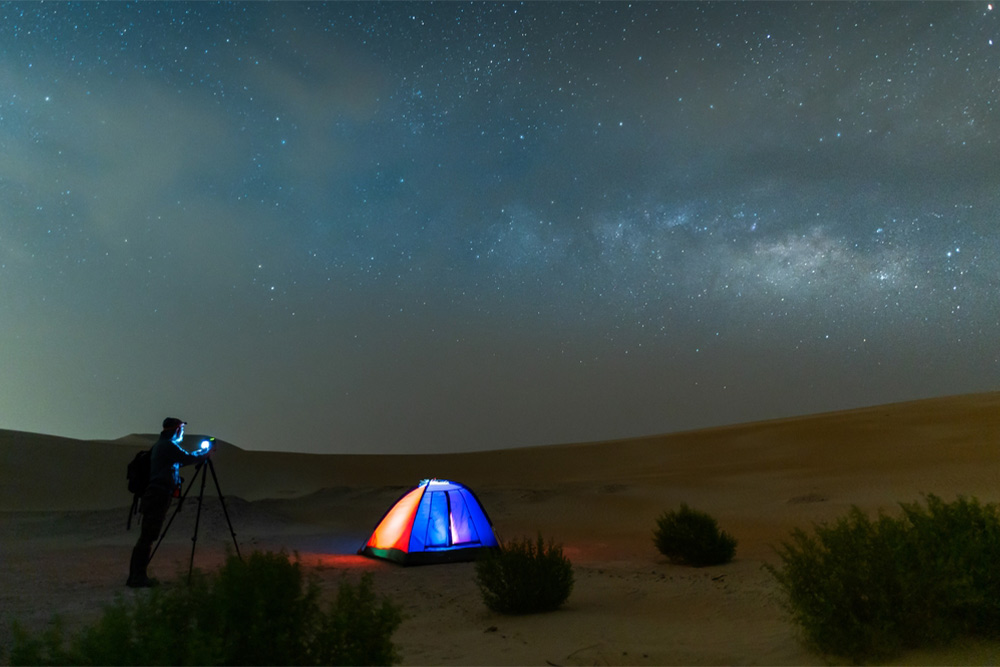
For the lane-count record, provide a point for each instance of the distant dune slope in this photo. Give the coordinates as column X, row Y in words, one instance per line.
column 40, row 472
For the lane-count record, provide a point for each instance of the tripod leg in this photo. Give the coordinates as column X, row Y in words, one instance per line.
column 197, row 520
column 222, row 500
column 180, row 504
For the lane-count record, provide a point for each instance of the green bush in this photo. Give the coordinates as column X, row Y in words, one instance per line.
column 869, row 589
column 524, row 577
column 690, row 537
column 252, row 612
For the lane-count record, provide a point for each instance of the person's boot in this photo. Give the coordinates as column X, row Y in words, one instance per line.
column 137, row 577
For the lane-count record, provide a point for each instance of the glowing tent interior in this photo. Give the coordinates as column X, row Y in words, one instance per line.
column 435, row 522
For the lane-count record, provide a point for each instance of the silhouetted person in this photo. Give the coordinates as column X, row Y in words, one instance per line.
column 166, row 459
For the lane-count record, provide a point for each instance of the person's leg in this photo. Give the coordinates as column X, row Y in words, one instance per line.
column 154, row 511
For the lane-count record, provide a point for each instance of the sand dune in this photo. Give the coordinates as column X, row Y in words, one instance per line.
column 63, row 508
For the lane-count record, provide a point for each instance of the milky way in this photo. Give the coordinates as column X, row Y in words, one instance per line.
column 418, row 227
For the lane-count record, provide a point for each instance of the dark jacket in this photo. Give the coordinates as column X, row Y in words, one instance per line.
column 165, row 463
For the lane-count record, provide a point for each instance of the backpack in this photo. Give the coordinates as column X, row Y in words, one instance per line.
column 138, row 479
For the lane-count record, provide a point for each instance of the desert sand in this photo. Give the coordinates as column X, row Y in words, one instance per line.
column 64, row 548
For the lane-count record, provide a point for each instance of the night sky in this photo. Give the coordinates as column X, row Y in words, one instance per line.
column 430, row 227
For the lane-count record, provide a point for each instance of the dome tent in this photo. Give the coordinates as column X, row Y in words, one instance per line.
column 437, row 521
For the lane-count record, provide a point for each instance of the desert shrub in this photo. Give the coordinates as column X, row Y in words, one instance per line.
column 958, row 551
column 47, row 648
column 868, row 589
column 524, row 576
column 690, row 537
column 358, row 628
column 258, row 611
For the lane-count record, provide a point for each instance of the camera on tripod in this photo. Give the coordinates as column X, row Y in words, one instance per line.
column 204, row 448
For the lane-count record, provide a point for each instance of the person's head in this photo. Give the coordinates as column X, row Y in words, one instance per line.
column 175, row 427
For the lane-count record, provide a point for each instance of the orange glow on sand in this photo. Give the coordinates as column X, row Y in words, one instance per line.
column 339, row 561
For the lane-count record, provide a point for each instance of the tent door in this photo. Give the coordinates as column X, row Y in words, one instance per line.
column 438, row 525
column 463, row 528
column 450, row 522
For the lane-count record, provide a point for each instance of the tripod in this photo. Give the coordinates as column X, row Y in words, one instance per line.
column 199, row 470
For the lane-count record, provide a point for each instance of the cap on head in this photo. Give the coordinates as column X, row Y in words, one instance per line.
column 172, row 423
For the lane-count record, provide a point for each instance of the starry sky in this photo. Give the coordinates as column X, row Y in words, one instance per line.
column 433, row 227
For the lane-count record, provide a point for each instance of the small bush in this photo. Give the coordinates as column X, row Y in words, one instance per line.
column 690, row 537
column 524, row 577
column 47, row 649
column 868, row 589
column 253, row 612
